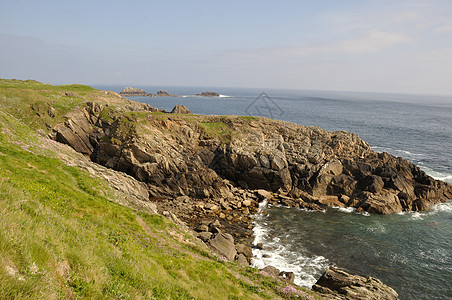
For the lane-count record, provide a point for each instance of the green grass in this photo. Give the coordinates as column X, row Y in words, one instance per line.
column 40, row 106
column 248, row 118
column 217, row 129
column 35, row 85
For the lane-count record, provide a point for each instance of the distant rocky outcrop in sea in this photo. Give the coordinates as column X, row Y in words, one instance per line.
column 130, row 91
column 208, row 94
column 134, row 92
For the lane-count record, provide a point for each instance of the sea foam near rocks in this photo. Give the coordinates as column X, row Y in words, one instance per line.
column 275, row 253
column 442, row 207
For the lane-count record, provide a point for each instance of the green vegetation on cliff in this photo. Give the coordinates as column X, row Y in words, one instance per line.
column 64, row 235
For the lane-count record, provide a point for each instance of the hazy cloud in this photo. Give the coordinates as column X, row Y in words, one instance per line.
column 372, row 41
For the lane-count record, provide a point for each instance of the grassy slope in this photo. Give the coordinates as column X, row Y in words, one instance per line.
column 62, row 237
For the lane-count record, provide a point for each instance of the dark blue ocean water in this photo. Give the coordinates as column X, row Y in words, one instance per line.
column 411, row 252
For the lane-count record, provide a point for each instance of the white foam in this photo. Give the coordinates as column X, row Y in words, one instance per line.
column 346, row 209
column 417, row 216
column 349, row 210
column 443, row 207
column 408, row 152
column 378, row 228
column 224, row 96
column 308, row 210
column 277, row 255
column 381, row 149
column 391, row 150
column 262, row 206
column 437, row 175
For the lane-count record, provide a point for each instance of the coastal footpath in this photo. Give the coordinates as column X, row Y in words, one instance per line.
column 209, row 173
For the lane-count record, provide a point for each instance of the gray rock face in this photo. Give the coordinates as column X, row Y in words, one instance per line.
column 245, row 250
column 241, row 259
column 130, row 91
column 271, row 271
column 342, row 285
column 223, row 243
column 180, row 109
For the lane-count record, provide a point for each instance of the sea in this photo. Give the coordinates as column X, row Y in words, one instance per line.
column 411, row 252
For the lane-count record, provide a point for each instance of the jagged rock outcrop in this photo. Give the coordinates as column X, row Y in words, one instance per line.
column 180, row 109
column 130, row 91
column 205, row 157
column 338, row 284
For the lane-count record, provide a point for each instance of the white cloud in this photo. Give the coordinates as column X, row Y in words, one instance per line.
column 372, row 41
column 445, row 27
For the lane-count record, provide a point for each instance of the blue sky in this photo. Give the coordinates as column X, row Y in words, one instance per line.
column 402, row 46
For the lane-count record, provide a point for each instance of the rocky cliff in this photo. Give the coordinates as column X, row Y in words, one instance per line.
column 211, row 157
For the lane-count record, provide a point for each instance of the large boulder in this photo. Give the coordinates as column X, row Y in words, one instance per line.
column 386, row 203
column 339, row 283
column 223, row 243
column 180, row 109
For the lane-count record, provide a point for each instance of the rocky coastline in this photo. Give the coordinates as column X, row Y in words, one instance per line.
column 211, row 172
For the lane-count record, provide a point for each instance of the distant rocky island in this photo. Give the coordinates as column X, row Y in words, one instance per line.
column 208, row 94
column 134, row 92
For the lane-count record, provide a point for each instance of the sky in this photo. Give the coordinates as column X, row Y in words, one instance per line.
column 396, row 46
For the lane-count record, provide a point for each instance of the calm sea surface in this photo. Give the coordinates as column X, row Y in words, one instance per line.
column 411, row 252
